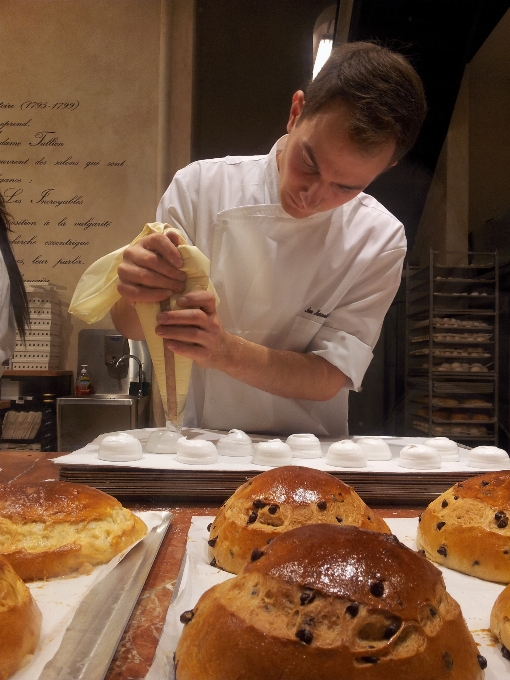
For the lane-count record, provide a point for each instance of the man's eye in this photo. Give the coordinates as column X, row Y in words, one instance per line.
column 308, row 163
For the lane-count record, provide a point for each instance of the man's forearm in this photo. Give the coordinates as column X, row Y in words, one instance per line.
column 281, row 372
column 126, row 320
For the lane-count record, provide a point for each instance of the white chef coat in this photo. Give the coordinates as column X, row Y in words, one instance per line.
column 7, row 324
column 320, row 285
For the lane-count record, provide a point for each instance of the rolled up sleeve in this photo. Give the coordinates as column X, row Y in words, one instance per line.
column 349, row 334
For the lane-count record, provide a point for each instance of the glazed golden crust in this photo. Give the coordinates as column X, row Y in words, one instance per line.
column 54, row 529
column 467, row 527
column 329, row 602
column 500, row 617
column 20, row 621
column 278, row 500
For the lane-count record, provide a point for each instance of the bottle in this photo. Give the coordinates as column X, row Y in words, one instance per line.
column 83, row 384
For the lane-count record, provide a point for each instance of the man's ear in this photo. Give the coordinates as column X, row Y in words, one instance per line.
column 298, row 101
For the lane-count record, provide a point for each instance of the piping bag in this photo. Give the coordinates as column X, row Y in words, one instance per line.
column 96, row 293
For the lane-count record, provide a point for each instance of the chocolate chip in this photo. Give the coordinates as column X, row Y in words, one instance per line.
column 258, row 503
column 307, row 597
column 442, row 551
column 484, row 483
column 455, row 498
column 377, row 588
column 272, row 509
column 440, row 525
column 476, row 563
column 252, row 518
column 369, row 518
column 339, row 520
column 421, row 552
column 505, row 652
column 213, row 562
column 506, row 552
column 433, row 611
column 419, row 517
column 186, row 617
column 369, row 659
column 209, row 527
column 212, row 541
column 501, row 519
column 352, row 610
column 448, row 661
column 322, row 505
column 482, row 662
column 444, row 504
column 390, row 631
column 304, row 635
column 256, row 554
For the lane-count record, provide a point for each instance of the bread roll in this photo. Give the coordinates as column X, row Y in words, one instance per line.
column 54, row 529
column 467, row 527
column 500, row 620
column 278, row 500
column 20, row 621
column 329, row 603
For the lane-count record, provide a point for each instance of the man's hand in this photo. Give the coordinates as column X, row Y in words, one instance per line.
column 150, row 270
column 195, row 331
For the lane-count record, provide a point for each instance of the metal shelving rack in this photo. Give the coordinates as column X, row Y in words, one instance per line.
column 452, row 347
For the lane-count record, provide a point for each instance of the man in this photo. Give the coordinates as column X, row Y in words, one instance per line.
column 305, row 264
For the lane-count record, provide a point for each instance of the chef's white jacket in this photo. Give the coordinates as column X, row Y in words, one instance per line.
column 321, row 284
column 7, row 324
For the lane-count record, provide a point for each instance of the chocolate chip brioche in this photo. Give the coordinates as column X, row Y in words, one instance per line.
column 332, row 603
column 52, row 529
column 278, row 500
column 467, row 529
column 20, row 621
column 500, row 620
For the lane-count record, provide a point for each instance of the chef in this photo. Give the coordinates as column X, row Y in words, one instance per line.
column 304, row 263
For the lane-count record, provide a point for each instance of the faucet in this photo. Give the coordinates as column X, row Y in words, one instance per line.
column 140, row 371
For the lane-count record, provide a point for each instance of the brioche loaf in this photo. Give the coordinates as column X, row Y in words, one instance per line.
column 278, row 500
column 20, row 621
column 467, row 527
column 331, row 603
column 52, row 529
column 500, row 620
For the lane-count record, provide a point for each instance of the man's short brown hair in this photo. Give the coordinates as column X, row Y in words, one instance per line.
column 382, row 90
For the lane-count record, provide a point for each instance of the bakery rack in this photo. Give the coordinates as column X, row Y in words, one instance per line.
column 452, row 347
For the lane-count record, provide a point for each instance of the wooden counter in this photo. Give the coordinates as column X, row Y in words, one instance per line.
column 138, row 644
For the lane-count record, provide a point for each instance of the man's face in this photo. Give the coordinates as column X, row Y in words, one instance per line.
column 320, row 167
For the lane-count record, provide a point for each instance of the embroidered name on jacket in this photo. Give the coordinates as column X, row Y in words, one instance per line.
column 317, row 313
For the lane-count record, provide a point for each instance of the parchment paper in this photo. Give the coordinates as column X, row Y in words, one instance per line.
column 58, row 601
column 475, row 597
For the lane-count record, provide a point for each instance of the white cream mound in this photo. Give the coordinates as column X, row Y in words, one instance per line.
column 419, row 457
column 375, row 448
column 447, row 449
column 236, row 443
column 489, row 457
column 196, row 451
column 163, row 440
column 346, row 453
column 304, row 445
column 273, row 453
column 120, row 447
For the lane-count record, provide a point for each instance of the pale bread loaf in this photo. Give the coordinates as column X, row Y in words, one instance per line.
column 51, row 529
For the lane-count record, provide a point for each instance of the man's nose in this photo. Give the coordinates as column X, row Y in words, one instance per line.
column 312, row 196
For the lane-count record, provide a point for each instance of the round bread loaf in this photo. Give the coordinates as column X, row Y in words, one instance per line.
column 53, row 529
column 332, row 603
column 467, row 527
column 276, row 501
column 20, row 621
column 500, row 620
